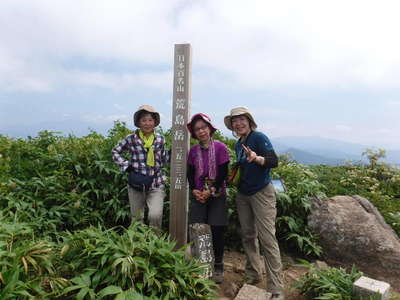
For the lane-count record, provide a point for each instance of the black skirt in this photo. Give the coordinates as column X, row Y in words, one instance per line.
column 213, row 212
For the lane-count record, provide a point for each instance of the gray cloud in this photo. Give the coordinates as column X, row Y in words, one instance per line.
column 258, row 42
column 238, row 48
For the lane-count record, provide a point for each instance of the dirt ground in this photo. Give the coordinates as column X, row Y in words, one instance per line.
column 234, row 263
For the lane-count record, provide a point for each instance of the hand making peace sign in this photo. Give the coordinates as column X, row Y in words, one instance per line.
column 251, row 155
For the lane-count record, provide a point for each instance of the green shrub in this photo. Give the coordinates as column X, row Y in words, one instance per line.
column 94, row 263
column 105, row 262
column 63, row 183
column 26, row 264
column 327, row 283
column 294, row 206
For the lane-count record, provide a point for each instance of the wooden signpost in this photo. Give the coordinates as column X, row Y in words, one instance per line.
column 180, row 144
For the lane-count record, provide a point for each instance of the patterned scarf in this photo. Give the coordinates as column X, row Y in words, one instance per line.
column 212, row 165
column 148, row 146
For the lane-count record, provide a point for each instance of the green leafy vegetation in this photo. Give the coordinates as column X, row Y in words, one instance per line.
column 26, row 263
column 66, row 232
column 294, row 206
column 95, row 263
column 118, row 261
column 65, row 227
column 327, row 283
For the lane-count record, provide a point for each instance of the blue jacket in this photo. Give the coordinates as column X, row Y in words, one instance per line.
column 254, row 177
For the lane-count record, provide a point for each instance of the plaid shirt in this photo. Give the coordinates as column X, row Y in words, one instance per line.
column 138, row 156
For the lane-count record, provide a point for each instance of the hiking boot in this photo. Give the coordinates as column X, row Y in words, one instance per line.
column 218, row 275
column 278, row 296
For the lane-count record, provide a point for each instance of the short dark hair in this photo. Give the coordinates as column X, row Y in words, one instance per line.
column 143, row 113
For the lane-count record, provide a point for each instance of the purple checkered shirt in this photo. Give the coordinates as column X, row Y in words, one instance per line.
column 134, row 146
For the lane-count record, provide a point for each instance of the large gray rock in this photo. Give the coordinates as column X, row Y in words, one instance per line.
column 352, row 231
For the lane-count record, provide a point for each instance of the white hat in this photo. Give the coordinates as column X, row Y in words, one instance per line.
column 238, row 111
column 149, row 109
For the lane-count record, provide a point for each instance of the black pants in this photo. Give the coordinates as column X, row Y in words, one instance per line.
column 218, row 239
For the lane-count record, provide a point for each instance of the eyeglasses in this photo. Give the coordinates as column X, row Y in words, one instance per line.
column 197, row 129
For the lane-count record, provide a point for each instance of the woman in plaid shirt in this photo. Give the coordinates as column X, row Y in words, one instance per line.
column 147, row 155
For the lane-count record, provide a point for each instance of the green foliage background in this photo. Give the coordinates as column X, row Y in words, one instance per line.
column 65, row 223
column 66, row 232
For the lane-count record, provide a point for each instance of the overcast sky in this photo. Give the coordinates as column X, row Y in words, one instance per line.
column 305, row 68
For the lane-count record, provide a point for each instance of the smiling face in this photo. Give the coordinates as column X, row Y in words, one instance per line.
column 147, row 123
column 241, row 125
column 202, row 131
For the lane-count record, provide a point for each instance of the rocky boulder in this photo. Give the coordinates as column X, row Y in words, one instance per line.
column 352, row 231
column 252, row 292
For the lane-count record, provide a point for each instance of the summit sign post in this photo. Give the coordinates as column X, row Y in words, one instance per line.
column 180, row 144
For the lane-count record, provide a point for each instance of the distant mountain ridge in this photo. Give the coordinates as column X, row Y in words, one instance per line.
column 308, row 150
column 308, row 158
column 311, row 150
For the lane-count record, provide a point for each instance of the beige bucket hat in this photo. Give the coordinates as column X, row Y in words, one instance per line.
column 238, row 111
column 149, row 109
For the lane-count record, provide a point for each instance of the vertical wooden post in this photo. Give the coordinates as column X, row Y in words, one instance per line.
column 180, row 144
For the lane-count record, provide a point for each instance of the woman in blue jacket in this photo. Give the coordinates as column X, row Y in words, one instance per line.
column 256, row 201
